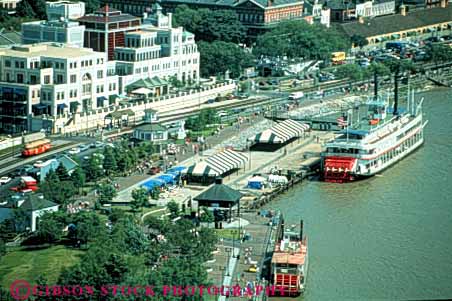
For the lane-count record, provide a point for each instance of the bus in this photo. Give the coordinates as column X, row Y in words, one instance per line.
column 338, row 58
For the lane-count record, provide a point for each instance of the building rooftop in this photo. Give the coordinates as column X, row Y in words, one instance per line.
column 36, row 202
column 108, row 15
column 151, row 127
column 47, row 50
column 54, row 23
column 10, row 38
column 396, row 23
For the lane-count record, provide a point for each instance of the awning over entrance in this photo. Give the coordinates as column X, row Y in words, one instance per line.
column 281, row 132
column 40, row 106
column 142, row 91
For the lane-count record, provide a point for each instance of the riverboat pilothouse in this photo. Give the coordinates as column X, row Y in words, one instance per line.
column 383, row 137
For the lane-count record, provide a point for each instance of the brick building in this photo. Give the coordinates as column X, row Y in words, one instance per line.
column 256, row 15
column 106, row 28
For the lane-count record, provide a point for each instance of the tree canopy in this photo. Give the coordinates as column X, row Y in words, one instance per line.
column 210, row 25
column 217, row 57
column 298, row 39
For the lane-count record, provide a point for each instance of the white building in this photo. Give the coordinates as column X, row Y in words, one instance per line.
column 9, row 5
column 65, row 9
column 61, row 31
column 51, row 79
column 319, row 12
column 375, row 8
column 159, row 50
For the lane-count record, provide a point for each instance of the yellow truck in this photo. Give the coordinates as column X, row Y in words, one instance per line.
column 338, row 58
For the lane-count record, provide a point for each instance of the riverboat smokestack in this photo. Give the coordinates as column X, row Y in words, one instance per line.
column 375, row 85
column 396, row 90
column 301, row 229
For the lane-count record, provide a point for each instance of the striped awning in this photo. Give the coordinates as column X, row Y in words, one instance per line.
column 218, row 164
column 281, row 132
column 202, row 169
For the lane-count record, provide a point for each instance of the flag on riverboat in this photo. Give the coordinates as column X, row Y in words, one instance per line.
column 342, row 121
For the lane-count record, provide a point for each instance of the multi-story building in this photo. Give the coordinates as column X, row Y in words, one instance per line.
column 405, row 25
column 61, row 31
column 9, row 5
column 51, row 79
column 65, row 9
column 106, row 28
column 319, row 11
column 257, row 16
column 159, row 50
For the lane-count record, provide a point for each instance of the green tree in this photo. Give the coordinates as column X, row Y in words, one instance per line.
column 440, row 53
column 2, row 248
column 173, row 208
column 139, row 198
column 207, row 217
column 210, row 25
column 62, row 173
column 130, row 237
column 88, row 227
column 298, row 39
column 217, row 57
column 352, row 71
column 78, row 177
column 24, row 9
column 110, row 164
column 359, row 41
column 106, row 193
column 50, row 229
column 92, row 5
column 94, row 168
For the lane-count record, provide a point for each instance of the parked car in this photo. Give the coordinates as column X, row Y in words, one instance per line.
column 154, row 170
column 74, row 151
column 83, row 147
column 4, row 180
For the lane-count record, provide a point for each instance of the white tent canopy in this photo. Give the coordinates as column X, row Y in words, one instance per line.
column 281, row 132
column 218, row 164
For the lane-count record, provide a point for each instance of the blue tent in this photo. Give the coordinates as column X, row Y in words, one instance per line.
column 256, row 182
column 177, row 169
column 152, row 183
column 167, row 178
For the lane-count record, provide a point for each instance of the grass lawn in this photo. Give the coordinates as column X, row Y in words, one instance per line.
column 228, row 233
column 27, row 265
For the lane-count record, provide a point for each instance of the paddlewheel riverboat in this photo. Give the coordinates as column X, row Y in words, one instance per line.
column 289, row 263
column 377, row 141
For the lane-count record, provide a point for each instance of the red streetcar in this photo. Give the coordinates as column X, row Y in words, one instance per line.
column 36, row 147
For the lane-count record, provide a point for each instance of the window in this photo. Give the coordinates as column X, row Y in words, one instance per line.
column 73, row 78
column 7, row 63
column 100, row 74
column 59, row 79
column 20, row 78
column 46, row 79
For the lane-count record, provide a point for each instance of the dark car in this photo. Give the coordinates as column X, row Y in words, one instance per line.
column 154, row 170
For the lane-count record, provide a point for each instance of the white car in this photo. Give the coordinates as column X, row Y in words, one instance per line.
column 74, row 151
column 83, row 147
column 4, row 180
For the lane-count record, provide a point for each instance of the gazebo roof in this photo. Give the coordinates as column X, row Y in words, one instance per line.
column 219, row 193
column 119, row 114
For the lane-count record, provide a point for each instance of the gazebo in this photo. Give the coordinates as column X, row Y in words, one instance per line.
column 220, row 196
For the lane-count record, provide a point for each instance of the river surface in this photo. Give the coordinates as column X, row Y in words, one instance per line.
column 388, row 237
